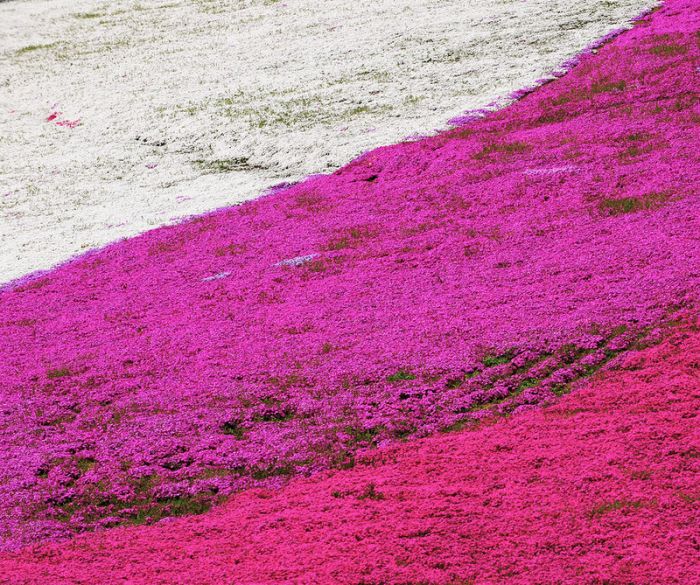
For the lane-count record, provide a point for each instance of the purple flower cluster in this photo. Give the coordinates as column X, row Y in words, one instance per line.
column 429, row 283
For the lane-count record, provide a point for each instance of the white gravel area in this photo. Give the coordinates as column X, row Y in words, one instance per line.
column 120, row 116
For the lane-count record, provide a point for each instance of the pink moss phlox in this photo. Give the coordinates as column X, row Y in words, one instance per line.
column 601, row 487
column 443, row 281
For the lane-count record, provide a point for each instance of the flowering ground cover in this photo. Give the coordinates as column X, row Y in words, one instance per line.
column 602, row 487
column 119, row 116
column 424, row 287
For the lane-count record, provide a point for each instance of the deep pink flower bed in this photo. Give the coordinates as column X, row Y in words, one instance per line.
column 424, row 286
column 601, row 488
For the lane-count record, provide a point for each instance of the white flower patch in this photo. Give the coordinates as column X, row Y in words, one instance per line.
column 297, row 261
column 117, row 117
column 218, row 276
column 550, row 170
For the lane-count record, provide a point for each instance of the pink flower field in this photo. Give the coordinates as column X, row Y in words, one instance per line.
column 471, row 358
column 601, row 487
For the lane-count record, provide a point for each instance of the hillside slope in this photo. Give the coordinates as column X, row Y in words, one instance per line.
column 118, row 116
column 424, row 287
column 603, row 487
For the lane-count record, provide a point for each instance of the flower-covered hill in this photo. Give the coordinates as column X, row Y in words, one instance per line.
column 420, row 288
column 601, row 488
column 118, row 116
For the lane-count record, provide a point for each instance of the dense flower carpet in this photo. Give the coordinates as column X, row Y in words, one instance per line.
column 480, row 347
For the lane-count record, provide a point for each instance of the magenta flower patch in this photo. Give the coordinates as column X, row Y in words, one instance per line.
column 423, row 287
column 602, row 487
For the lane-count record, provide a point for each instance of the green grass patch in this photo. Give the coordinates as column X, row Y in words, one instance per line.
column 276, row 416
column 233, row 428
column 502, row 148
column 350, row 238
column 361, row 435
column 89, row 15
column 401, row 376
column 636, row 144
column 613, row 207
column 33, row 48
column 668, row 50
column 607, row 87
column 181, row 506
column 491, row 360
column 85, row 464
column 453, row 383
column 304, row 112
column 598, row 87
column 608, row 507
column 528, row 383
column 272, row 471
column 229, row 250
column 371, row 493
column 58, row 373
column 226, row 165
